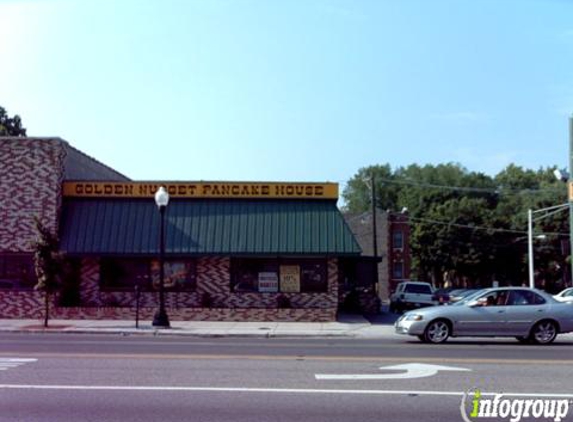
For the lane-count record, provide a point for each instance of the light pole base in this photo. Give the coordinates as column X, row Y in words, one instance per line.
column 161, row 320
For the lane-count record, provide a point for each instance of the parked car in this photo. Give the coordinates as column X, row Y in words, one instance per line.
column 565, row 295
column 412, row 294
column 527, row 314
column 442, row 296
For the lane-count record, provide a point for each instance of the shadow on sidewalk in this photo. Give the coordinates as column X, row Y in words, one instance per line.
column 384, row 318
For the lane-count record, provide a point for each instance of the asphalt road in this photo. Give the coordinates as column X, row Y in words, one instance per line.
column 53, row 377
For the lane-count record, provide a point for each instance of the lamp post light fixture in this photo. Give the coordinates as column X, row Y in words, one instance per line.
column 161, row 319
column 547, row 212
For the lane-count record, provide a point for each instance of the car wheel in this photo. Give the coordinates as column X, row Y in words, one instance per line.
column 544, row 332
column 523, row 339
column 437, row 331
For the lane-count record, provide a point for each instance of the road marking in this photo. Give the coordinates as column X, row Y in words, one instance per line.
column 270, row 390
column 8, row 363
column 390, row 359
column 412, row 370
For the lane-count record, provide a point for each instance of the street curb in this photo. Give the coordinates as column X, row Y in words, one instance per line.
column 158, row 333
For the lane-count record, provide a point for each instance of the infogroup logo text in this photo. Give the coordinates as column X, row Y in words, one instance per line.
column 513, row 409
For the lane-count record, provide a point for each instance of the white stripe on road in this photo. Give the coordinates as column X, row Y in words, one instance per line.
column 269, row 390
column 7, row 363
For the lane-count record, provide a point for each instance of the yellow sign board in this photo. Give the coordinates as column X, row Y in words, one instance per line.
column 202, row 190
column 290, row 278
column 570, row 185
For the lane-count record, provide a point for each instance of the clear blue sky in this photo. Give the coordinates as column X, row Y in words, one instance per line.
column 301, row 90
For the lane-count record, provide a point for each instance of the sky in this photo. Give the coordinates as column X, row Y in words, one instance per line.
column 292, row 90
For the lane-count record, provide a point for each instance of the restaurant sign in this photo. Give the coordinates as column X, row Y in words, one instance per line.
column 202, row 190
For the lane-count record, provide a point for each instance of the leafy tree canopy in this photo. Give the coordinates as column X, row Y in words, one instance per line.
column 10, row 126
column 470, row 226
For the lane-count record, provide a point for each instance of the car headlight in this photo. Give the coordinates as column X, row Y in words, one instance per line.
column 414, row 317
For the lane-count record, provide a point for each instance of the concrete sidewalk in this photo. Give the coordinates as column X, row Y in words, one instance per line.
column 353, row 326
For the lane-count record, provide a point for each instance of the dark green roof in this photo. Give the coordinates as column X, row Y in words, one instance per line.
column 222, row 227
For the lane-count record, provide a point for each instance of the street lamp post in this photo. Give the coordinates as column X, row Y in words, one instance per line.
column 548, row 211
column 161, row 319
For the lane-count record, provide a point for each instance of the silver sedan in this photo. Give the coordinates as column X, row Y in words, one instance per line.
column 527, row 314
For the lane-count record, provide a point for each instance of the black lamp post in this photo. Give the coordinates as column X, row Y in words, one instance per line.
column 161, row 319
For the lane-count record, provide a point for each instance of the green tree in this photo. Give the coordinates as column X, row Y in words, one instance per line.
column 357, row 191
column 521, row 190
column 10, row 126
column 468, row 227
column 48, row 264
column 434, row 195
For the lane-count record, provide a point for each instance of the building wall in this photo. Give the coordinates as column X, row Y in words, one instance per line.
column 30, row 177
column 398, row 222
column 213, row 299
column 31, row 174
column 361, row 225
column 386, row 224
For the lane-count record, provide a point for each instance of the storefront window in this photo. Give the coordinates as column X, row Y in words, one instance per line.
column 313, row 277
column 177, row 275
column 247, row 274
column 125, row 274
column 285, row 276
column 17, row 272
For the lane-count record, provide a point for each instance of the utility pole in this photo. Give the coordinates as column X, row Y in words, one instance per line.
column 374, row 229
column 530, row 248
column 570, row 194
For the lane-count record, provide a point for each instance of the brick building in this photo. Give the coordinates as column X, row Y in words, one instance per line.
column 393, row 235
column 234, row 251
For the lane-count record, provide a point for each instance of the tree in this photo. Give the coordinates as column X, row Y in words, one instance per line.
column 357, row 191
column 47, row 263
column 10, row 126
column 469, row 227
column 520, row 190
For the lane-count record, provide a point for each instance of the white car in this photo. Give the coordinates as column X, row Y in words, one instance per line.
column 411, row 295
column 565, row 295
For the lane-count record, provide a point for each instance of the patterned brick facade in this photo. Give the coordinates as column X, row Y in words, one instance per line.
column 213, row 279
column 21, row 304
column 31, row 178
column 31, row 174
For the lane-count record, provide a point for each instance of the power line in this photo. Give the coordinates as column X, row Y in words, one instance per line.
column 368, row 230
column 490, row 229
column 494, row 191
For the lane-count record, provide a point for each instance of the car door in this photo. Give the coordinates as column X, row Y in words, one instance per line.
column 487, row 319
column 525, row 307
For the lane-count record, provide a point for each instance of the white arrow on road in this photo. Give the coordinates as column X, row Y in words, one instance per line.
column 409, row 370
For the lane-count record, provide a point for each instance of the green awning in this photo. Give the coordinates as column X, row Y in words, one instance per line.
column 205, row 227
